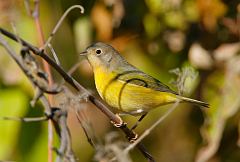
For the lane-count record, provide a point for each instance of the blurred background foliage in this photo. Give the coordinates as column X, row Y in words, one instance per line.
column 154, row 35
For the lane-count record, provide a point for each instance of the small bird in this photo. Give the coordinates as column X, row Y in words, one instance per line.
column 124, row 87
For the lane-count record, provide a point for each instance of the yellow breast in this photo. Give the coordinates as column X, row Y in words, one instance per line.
column 128, row 97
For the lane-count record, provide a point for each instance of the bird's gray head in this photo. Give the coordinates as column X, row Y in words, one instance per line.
column 102, row 54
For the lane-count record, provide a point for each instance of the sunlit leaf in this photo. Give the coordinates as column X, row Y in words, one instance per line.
column 175, row 19
column 155, row 6
column 39, row 150
column 190, row 10
column 152, row 25
column 12, row 103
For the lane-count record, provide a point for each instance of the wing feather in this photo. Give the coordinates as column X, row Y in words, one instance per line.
column 144, row 80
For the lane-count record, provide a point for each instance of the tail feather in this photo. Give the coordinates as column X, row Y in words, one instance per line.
column 196, row 102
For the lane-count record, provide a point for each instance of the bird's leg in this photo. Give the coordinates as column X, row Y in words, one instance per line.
column 132, row 136
column 139, row 120
column 120, row 124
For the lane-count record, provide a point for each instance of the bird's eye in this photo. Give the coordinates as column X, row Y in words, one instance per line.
column 98, row 51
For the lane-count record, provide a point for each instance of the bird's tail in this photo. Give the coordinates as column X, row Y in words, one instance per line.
column 196, row 102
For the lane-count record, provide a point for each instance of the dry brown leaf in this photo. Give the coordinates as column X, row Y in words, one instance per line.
column 102, row 20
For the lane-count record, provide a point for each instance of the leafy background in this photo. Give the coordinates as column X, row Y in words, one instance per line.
column 154, row 35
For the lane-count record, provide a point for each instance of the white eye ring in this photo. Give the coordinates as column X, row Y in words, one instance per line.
column 98, row 51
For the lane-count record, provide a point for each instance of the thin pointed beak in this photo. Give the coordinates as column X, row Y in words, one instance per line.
column 84, row 53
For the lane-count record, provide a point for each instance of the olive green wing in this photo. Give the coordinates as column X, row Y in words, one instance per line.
column 139, row 78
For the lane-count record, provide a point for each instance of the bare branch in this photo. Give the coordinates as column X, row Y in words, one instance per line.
column 60, row 22
column 86, row 128
column 60, row 122
column 32, row 119
column 54, row 54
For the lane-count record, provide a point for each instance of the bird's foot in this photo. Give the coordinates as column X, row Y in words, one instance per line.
column 120, row 123
column 133, row 138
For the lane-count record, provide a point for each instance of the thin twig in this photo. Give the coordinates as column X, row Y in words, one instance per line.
column 32, row 119
column 35, row 14
column 19, row 61
column 70, row 71
column 54, row 54
column 60, row 127
column 84, row 126
column 60, row 22
column 147, row 132
column 74, row 68
column 60, row 123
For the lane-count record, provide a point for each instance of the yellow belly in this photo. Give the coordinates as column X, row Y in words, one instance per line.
column 129, row 97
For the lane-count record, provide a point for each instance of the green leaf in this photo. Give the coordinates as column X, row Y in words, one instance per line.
column 14, row 103
column 38, row 151
column 152, row 25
